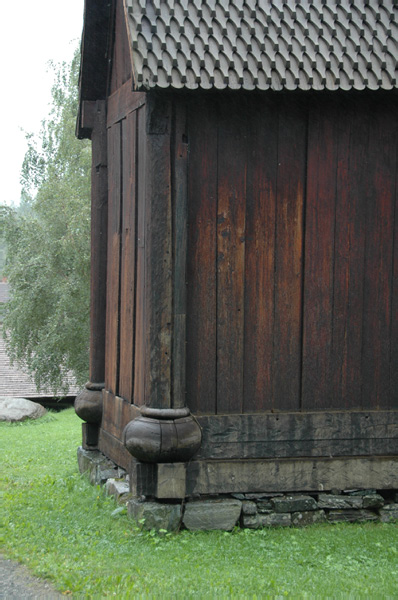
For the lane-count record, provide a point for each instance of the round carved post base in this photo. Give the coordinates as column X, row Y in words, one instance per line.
column 163, row 435
column 88, row 406
column 88, row 403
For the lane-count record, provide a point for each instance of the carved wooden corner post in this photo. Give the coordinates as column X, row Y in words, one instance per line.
column 165, row 432
column 88, row 403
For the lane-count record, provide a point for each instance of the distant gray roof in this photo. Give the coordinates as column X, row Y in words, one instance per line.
column 264, row 44
column 17, row 383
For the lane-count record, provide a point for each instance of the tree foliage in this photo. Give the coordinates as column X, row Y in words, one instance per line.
column 46, row 325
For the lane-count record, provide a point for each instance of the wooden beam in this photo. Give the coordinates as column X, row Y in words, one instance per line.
column 288, row 435
column 122, row 102
column 115, row 450
column 291, row 475
column 88, row 114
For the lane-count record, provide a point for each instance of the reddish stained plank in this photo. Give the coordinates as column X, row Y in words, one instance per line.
column 127, row 287
column 288, row 255
column 232, row 164
column 259, row 255
column 201, row 258
column 380, row 199
column 112, row 302
column 346, row 375
column 140, row 326
column 394, row 302
column 319, row 255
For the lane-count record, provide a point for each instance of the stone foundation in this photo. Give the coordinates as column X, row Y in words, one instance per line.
column 243, row 510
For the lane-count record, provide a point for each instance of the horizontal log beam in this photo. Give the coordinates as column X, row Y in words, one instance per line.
column 291, row 475
column 284, row 435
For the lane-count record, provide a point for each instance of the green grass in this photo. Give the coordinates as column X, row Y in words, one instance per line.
column 63, row 529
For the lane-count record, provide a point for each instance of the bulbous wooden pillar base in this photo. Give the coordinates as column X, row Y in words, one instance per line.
column 88, row 406
column 163, row 435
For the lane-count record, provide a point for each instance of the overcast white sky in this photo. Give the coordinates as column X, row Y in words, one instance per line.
column 32, row 34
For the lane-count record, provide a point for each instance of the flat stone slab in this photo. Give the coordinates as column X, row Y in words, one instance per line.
column 212, row 514
column 335, row 502
column 389, row 513
column 304, row 518
column 154, row 515
column 351, row 516
column 15, row 410
column 294, row 504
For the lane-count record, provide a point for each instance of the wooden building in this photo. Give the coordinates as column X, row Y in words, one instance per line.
column 245, row 243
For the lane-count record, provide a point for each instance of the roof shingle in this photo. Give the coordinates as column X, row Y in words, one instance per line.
column 264, row 44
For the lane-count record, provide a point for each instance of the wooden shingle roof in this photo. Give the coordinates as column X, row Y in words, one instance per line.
column 264, row 44
column 16, row 383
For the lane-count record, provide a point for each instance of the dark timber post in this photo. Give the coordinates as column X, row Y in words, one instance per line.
column 165, row 431
column 88, row 404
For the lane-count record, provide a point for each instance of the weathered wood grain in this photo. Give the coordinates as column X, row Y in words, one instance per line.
column 179, row 182
column 260, row 256
column 128, row 258
column 289, row 236
column 159, row 253
column 140, row 325
column 347, row 317
column 99, row 233
column 320, row 434
column 201, row 259
column 113, row 448
column 122, row 102
column 117, row 413
column 380, row 205
column 294, row 475
column 319, row 255
column 121, row 64
column 113, row 273
column 231, row 213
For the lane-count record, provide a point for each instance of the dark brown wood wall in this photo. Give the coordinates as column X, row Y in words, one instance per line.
column 125, row 338
column 121, row 65
column 292, row 253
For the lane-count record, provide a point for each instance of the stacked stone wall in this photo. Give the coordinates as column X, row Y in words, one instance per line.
column 251, row 511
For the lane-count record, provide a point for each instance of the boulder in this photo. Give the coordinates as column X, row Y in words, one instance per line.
column 19, row 409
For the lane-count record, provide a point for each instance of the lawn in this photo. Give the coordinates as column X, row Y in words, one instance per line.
column 68, row 532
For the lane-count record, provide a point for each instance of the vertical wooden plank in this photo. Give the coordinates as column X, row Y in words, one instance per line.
column 112, row 302
column 346, row 375
column 127, row 286
column 121, row 55
column 380, row 199
column 393, row 402
column 319, row 255
column 289, row 254
column 140, row 319
column 259, row 255
column 159, row 251
column 180, row 197
column 232, row 165
column 201, row 260
column 99, row 227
